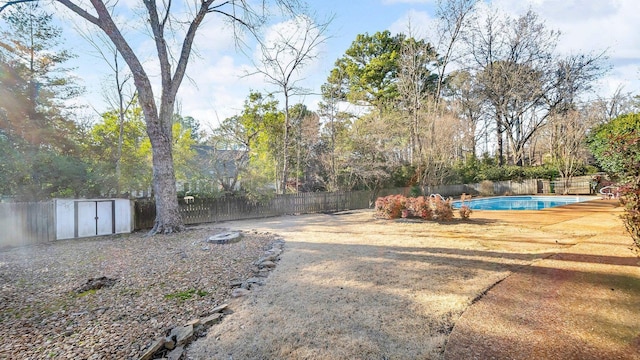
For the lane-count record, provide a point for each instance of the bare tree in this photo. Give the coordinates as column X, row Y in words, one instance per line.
column 166, row 22
column 281, row 63
column 523, row 80
column 329, row 110
column 416, row 85
column 229, row 154
column 620, row 103
column 454, row 16
column 468, row 105
column 119, row 94
column 568, row 147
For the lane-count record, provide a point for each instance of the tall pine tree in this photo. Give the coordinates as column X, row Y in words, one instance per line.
column 34, row 122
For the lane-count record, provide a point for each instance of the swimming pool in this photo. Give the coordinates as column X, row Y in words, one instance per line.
column 521, row 202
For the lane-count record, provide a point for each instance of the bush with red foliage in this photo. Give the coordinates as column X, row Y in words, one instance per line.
column 432, row 208
column 465, row 212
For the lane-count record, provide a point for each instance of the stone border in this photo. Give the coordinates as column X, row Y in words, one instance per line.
column 173, row 345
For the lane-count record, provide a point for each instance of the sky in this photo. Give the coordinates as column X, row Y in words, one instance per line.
column 217, row 85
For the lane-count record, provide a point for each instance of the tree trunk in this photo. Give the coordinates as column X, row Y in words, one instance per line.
column 499, row 143
column 285, row 145
column 168, row 217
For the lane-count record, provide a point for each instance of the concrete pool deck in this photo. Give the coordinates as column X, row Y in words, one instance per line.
column 581, row 303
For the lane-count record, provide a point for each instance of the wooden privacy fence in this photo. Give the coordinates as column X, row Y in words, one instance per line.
column 580, row 186
column 239, row 208
column 27, row 223
column 577, row 186
column 34, row 223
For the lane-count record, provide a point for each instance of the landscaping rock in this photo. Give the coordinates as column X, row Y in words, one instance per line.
column 96, row 283
column 274, row 251
column 240, row 292
column 176, row 353
column 182, row 334
column 157, row 345
column 220, row 308
column 256, row 281
column 263, row 273
column 267, row 258
column 193, row 322
column 170, row 343
column 211, row 319
column 267, row 264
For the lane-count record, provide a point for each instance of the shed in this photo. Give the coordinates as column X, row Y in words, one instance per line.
column 91, row 217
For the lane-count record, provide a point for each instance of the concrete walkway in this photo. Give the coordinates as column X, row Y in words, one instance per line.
column 581, row 303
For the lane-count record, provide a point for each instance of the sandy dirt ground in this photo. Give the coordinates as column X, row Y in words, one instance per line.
column 352, row 286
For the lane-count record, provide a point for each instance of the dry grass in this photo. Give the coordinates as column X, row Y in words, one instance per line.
column 351, row 286
column 162, row 282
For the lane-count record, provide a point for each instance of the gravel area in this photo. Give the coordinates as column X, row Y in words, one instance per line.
column 161, row 282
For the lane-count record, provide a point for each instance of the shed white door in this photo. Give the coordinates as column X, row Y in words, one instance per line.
column 94, row 218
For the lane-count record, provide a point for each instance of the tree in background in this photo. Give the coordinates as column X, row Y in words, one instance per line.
column 616, row 146
column 282, row 60
column 38, row 84
column 620, row 103
column 334, row 130
column 169, row 24
column 522, row 79
column 454, row 19
column 305, row 131
column 366, row 74
column 191, row 124
column 467, row 104
column 567, row 134
column 251, row 143
column 417, row 84
column 118, row 90
column 133, row 158
column 42, row 157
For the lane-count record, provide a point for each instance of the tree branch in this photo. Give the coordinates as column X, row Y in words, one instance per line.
column 80, row 11
column 14, row 2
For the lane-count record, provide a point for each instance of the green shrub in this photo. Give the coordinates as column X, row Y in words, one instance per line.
column 616, row 147
column 415, row 191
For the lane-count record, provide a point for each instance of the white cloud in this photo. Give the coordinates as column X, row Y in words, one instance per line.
column 591, row 27
column 588, row 25
column 216, row 36
column 420, row 23
column 285, row 42
column 216, row 89
column 625, row 76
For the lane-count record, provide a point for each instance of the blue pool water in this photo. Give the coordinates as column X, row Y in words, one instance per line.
column 521, row 202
